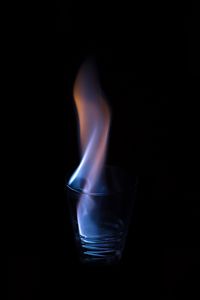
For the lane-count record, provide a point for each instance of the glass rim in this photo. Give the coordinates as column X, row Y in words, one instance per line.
column 82, row 192
column 120, row 169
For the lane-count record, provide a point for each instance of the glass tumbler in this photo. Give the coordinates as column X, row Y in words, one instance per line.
column 101, row 220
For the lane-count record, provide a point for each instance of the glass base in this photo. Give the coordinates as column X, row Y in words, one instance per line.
column 106, row 247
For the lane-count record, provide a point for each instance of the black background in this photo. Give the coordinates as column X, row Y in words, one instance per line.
column 148, row 67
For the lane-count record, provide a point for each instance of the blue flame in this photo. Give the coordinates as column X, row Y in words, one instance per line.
column 94, row 123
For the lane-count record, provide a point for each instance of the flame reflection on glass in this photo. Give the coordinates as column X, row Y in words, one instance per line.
column 94, row 122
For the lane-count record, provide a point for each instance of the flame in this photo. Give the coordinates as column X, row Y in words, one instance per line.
column 94, row 123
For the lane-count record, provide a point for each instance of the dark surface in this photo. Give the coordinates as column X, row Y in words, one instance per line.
column 148, row 69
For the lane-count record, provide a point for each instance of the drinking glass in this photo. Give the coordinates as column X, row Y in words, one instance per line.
column 101, row 220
